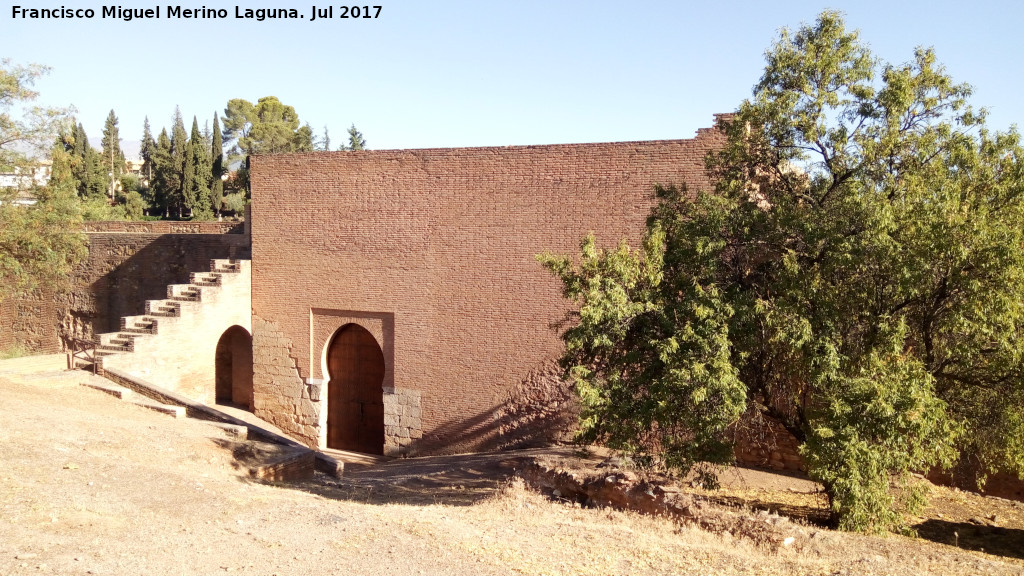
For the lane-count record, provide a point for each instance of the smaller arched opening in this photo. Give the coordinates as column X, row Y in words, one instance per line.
column 234, row 368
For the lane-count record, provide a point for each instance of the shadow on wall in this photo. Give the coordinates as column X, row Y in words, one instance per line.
column 540, row 411
column 122, row 271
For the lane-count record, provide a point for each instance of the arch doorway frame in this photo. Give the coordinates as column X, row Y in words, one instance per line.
column 325, row 323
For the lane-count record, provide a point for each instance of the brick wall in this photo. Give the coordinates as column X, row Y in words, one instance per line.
column 441, row 243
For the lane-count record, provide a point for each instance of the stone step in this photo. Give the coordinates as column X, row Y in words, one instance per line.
column 174, row 411
column 123, row 341
column 138, row 325
column 205, row 279
column 225, row 266
column 184, row 293
column 112, row 389
column 163, row 308
column 327, row 455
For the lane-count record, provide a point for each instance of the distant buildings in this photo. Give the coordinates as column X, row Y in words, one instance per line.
column 23, row 180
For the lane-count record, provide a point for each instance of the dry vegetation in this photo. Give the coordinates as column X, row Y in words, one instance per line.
column 93, row 485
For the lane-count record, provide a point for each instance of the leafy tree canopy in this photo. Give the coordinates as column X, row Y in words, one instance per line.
column 25, row 130
column 37, row 244
column 268, row 127
column 858, row 274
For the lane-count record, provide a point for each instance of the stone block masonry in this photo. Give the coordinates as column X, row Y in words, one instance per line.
column 402, row 421
column 441, row 243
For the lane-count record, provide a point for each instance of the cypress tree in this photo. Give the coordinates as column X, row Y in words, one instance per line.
column 217, row 167
column 179, row 149
column 165, row 180
column 79, row 170
column 197, row 176
column 89, row 170
column 146, row 150
column 112, row 158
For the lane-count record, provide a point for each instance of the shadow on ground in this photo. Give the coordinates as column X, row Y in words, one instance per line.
column 460, row 480
column 997, row 540
column 464, row 480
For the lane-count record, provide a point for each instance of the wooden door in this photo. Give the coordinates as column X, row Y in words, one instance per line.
column 355, row 394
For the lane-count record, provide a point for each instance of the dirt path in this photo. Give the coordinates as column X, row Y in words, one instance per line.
column 93, row 485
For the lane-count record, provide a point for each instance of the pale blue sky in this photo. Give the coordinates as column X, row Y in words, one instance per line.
column 460, row 73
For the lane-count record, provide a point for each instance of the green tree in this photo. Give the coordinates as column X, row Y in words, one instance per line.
column 166, row 181
column 22, row 138
column 268, row 127
column 858, row 275
column 93, row 182
column 217, row 167
column 324, row 145
column 38, row 243
column 146, row 150
column 355, row 139
column 179, row 156
column 198, row 172
column 111, row 157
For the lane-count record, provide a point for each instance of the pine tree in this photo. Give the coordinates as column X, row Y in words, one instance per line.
column 355, row 139
column 217, row 167
column 325, row 143
column 303, row 139
column 112, row 158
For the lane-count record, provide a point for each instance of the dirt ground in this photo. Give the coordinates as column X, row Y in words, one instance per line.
column 94, row 485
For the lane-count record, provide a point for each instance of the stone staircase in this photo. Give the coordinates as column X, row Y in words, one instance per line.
column 166, row 318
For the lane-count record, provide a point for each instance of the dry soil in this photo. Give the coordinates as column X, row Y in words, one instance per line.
column 90, row 484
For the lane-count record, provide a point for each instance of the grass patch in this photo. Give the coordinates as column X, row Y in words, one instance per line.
column 14, row 351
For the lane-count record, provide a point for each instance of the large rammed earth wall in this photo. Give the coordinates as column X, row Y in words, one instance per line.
column 433, row 251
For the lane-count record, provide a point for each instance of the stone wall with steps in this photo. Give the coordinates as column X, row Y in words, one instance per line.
column 128, row 263
column 173, row 344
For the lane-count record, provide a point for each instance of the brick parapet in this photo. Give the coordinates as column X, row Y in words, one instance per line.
column 162, row 227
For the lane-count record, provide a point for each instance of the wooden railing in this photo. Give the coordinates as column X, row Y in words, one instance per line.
column 82, row 349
